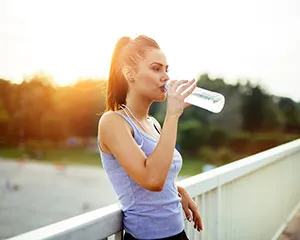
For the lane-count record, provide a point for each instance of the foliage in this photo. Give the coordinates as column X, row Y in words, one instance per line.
column 38, row 115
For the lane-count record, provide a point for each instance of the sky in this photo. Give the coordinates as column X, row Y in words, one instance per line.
column 257, row 40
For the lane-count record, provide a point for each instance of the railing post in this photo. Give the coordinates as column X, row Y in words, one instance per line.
column 219, row 210
column 203, row 237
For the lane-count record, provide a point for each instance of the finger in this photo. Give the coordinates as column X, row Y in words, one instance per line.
column 200, row 223
column 178, row 83
column 194, row 220
column 199, row 227
column 186, row 86
column 171, row 83
column 196, row 217
column 195, row 223
column 188, row 92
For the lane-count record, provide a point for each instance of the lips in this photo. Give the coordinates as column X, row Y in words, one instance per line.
column 163, row 88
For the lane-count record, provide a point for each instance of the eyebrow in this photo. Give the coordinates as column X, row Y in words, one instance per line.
column 159, row 64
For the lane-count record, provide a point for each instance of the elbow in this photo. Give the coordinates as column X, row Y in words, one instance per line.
column 154, row 181
column 155, row 186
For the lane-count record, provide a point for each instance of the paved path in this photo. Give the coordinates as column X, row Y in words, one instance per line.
column 34, row 195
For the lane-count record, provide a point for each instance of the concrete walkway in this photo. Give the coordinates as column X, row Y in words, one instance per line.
column 33, row 195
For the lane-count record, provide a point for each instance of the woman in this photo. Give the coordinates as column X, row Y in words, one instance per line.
column 138, row 155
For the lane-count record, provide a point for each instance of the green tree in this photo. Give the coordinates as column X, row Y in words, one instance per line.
column 36, row 101
column 252, row 109
column 192, row 135
column 218, row 138
column 4, row 123
column 85, row 100
column 291, row 115
column 259, row 112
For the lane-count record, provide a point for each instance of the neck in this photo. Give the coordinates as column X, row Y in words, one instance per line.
column 138, row 106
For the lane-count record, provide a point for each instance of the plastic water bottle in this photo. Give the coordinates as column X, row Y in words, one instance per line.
column 209, row 100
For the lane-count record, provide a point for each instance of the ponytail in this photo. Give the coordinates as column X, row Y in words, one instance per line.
column 117, row 86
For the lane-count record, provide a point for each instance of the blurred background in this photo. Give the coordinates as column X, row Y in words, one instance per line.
column 54, row 63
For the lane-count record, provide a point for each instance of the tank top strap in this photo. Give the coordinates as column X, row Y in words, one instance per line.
column 137, row 134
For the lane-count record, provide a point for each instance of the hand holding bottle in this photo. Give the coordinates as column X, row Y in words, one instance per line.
column 177, row 92
column 203, row 98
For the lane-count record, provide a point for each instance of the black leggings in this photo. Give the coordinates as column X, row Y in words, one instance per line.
column 179, row 236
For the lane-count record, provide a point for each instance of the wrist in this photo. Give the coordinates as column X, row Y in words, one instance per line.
column 181, row 190
column 172, row 117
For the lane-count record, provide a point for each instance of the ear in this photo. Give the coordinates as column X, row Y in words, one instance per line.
column 128, row 72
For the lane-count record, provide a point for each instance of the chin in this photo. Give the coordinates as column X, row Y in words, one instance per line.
column 161, row 99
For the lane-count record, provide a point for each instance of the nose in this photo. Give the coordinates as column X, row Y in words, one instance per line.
column 165, row 78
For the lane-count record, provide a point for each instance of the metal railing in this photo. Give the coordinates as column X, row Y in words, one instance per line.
column 252, row 198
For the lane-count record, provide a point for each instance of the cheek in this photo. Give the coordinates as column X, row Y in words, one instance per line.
column 148, row 80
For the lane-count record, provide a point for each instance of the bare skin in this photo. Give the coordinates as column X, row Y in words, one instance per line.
column 117, row 135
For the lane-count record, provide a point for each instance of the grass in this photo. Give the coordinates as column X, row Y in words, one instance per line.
column 75, row 156
column 191, row 166
column 81, row 156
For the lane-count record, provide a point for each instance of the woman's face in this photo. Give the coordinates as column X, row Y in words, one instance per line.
column 151, row 75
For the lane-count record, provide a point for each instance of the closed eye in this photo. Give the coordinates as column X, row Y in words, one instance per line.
column 157, row 69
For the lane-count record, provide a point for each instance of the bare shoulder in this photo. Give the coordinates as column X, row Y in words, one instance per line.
column 107, row 117
column 111, row 122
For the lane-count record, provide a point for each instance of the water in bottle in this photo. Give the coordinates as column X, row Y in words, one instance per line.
column 203, row 98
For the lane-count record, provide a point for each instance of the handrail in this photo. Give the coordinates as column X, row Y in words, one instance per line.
column 107, row 221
